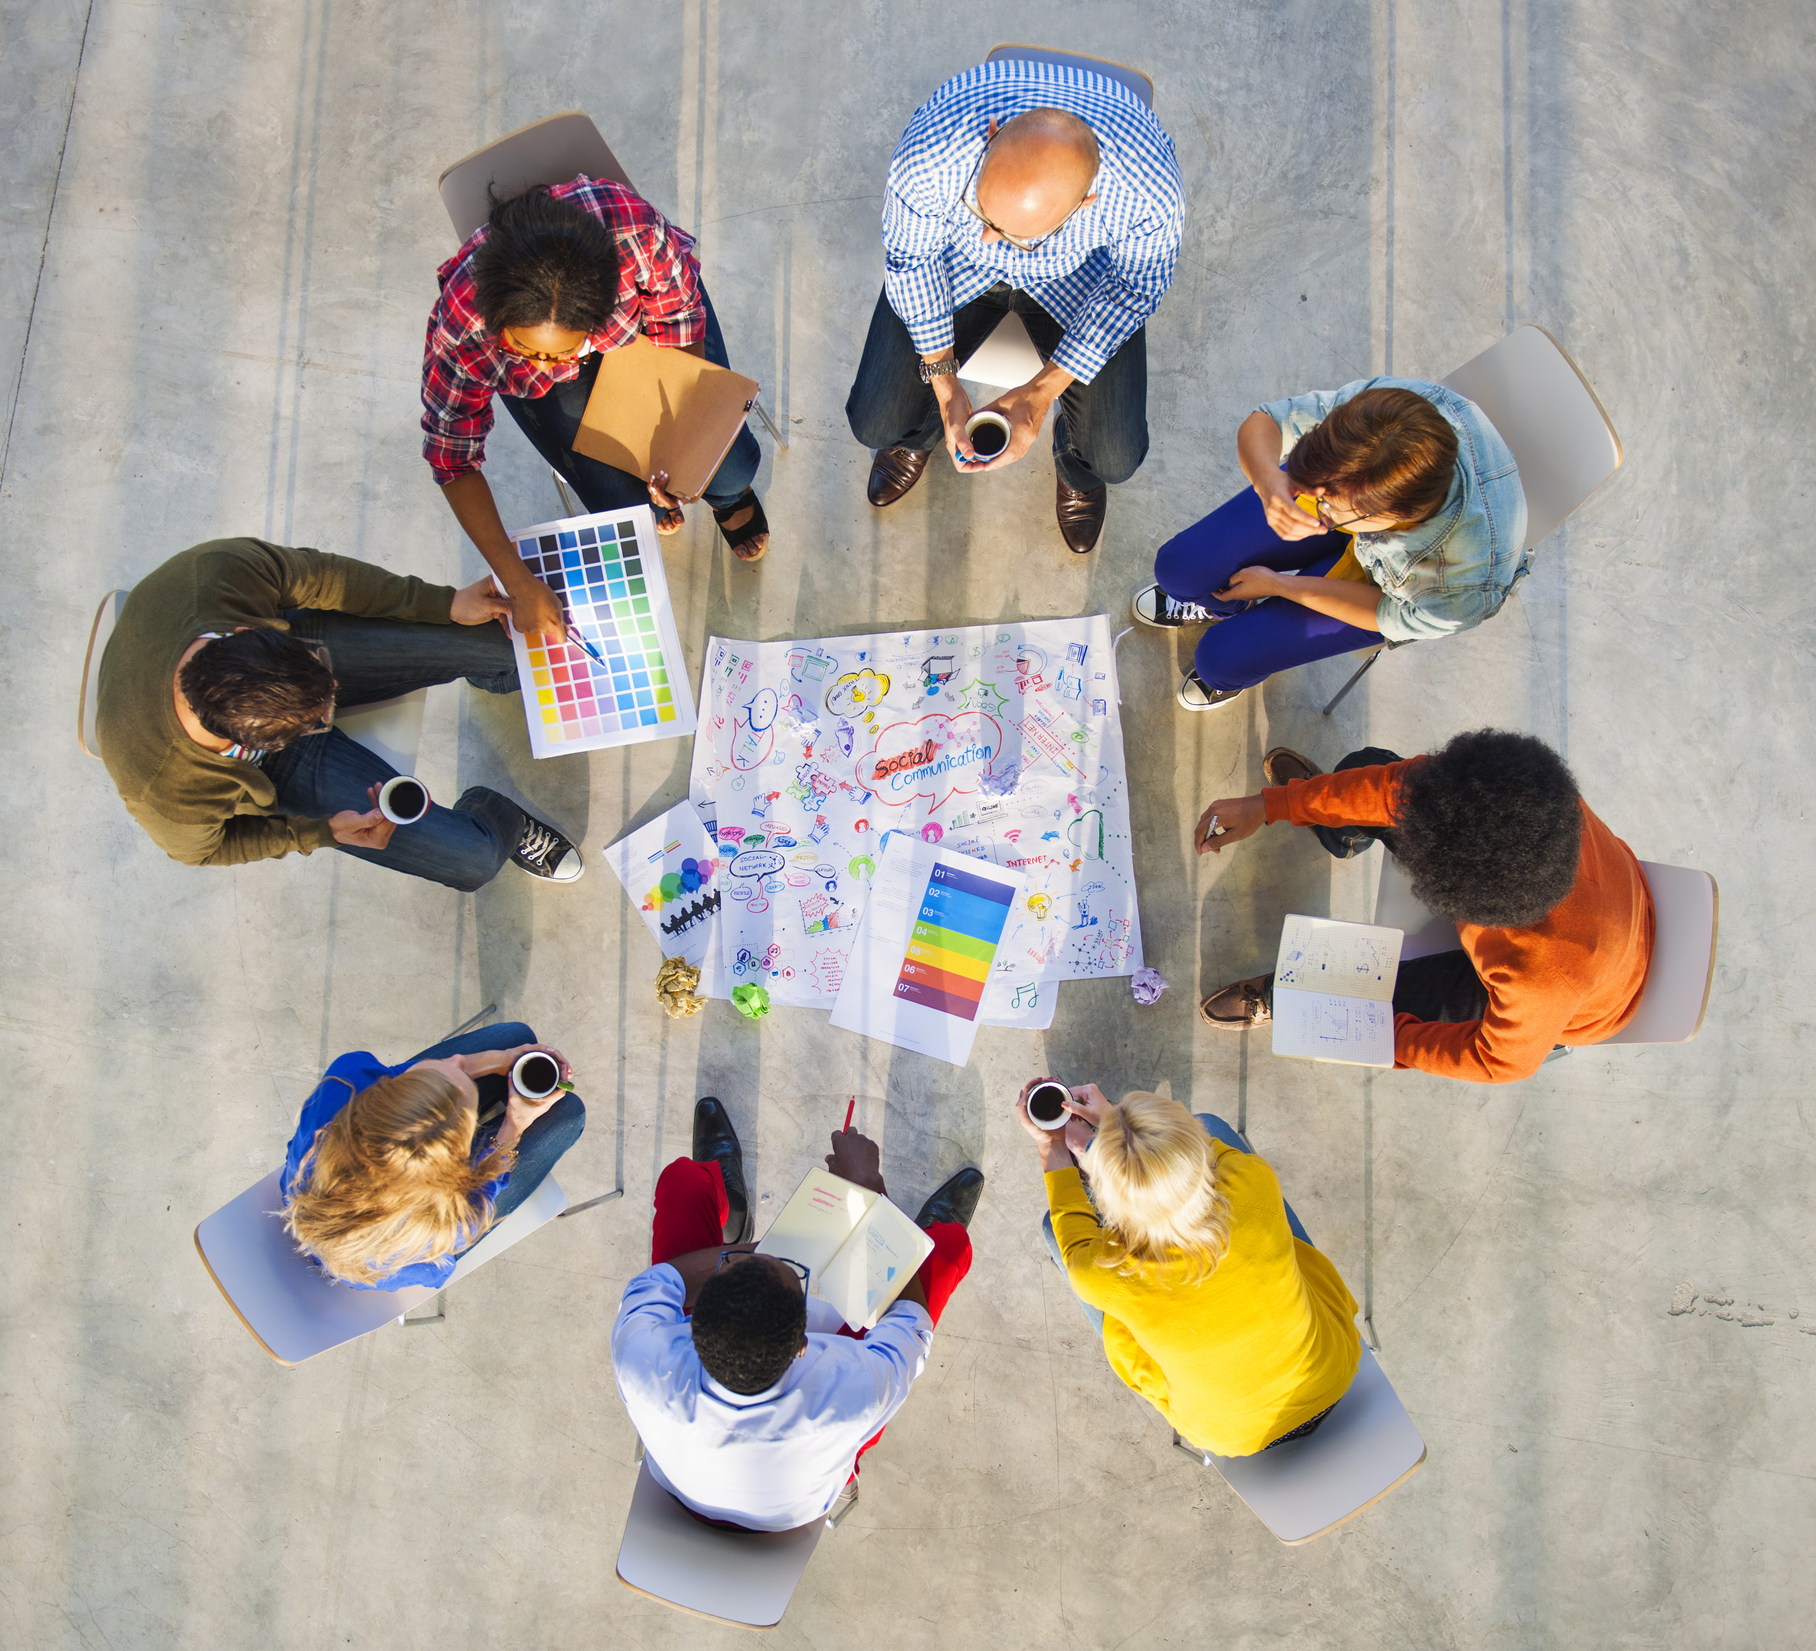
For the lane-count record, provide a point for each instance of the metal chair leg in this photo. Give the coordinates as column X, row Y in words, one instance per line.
column 1344, row 690
column 568, row 507
column 841, row 1508
column 1192, row 1451
column 769, row 424
column 441, row 1312
column 591, row 1203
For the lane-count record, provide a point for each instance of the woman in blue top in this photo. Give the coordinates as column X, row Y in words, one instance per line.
column 1413, row 471
column 391, row 1175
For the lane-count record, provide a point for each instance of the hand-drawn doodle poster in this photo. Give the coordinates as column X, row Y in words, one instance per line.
column 998, row 741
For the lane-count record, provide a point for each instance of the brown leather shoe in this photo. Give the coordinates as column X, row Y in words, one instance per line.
column 1080, row 516
column 892, row 472
column 1283, row 763
column 1239, row 1006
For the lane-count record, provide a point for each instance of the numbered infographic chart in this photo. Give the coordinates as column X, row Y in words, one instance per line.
column 1000, row 742
column 619, row 678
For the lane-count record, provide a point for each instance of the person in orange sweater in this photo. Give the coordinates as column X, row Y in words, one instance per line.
column 1552, row 910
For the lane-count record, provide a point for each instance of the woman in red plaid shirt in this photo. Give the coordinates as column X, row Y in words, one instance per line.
column 528, row 304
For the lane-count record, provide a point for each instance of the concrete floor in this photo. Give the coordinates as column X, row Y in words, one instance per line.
column 221, row 234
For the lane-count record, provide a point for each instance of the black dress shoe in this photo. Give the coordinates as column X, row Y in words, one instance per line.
column 1080, row 516
column 954, row 1200
column 715, row 1141
column 892, row 472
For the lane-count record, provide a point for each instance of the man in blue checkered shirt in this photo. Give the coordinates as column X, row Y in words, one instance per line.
column 1044, row 189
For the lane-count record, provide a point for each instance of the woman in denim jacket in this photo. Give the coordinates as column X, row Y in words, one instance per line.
column 1387, row 511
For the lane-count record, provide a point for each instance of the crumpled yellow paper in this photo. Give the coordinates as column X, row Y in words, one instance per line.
column 675, row 983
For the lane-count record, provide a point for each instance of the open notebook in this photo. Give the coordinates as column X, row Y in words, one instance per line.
column 1334, row 991
column 860, row 1250
column 655, row 409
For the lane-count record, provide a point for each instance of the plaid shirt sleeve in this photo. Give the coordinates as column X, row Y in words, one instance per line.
column 456, row 402
column 1129, row 291
column 916, row 274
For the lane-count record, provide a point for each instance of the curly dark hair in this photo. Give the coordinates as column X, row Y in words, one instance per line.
column 1489, row 829
column 261, row 687
column 749, row 1321
column 1389, row 452
column 545, row 261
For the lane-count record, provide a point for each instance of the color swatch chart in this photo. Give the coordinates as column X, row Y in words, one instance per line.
column 954, row 941
column 632, row 684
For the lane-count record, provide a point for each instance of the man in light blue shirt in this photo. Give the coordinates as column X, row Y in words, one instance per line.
column 752, row 1399
column 1046, row 190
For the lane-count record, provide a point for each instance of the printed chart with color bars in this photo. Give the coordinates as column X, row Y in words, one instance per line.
column 607, row 571
column 954, row 941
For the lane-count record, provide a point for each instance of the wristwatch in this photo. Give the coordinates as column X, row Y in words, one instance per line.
column 930, row 370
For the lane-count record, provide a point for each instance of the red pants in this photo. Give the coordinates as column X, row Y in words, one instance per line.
column 691, row 1212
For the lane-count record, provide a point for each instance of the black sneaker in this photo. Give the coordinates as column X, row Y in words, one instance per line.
column 1152, row 606
column 543, row 852
column 716, row 1142
column 954, row 1200
column 1194, row 695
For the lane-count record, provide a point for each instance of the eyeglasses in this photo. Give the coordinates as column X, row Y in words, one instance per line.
column 1322, row 506
column 803, row 1273
column 512, row 347
column 1015, row 241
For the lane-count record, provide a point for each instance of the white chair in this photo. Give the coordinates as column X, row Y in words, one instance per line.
column 547, row 151
column 391, row 729
column 289, row 1305
column 87, row 700
column 745, row 1578
column 1132, row 79
column 1008, row 356
column 1560, row 435
column 1675, row 997
column 1305, row 1488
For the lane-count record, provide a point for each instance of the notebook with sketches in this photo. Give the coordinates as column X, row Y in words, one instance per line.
column 1334, row 990
column 859, row 1249
column 657, row 409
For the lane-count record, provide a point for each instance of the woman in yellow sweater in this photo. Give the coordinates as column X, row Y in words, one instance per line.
column 1213, row 1304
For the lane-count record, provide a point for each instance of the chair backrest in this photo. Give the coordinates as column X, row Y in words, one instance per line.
column 1138, row 83
column 742, row 1577
column 1396, row 907
column 1686, row 907
column 391, row 729
column 1544, row 409
column 1364, row 1448
column 87, row 702
column 551, row 150
column 1006, row 358
column 289, row 1304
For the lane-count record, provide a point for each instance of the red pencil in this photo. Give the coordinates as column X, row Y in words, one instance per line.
column 849, row 1110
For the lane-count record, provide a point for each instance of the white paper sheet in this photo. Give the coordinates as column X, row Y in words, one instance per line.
column 933, row 920
column 656, row 863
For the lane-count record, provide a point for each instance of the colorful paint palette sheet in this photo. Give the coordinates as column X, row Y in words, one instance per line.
column 924, row 949
column 632, row 685
column 669, row 869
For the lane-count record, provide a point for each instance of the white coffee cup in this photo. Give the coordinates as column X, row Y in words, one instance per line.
column 534, row 1091
column 1045, row 1096
column 398, row 795
column 987, row 420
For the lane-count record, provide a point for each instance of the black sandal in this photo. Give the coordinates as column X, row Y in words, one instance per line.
column 739, row 537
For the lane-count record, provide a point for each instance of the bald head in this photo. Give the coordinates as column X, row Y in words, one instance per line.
column 1038, row 172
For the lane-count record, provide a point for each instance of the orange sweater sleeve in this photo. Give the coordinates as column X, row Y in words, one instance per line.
column 1356, row 797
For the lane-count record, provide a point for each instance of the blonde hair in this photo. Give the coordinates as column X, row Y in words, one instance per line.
column 390, row 1180
column 1154, row 1180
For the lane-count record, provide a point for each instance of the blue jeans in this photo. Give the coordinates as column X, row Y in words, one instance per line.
column 550, row 422
column 1257, row 638
column 464, row 846
column 1214, row 1127
column 1100, row 429
column 542, row 1143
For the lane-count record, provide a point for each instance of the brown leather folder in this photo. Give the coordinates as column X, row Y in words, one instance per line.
column 655, row 409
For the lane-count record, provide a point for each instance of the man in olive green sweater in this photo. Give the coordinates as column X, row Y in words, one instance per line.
column 228, row 658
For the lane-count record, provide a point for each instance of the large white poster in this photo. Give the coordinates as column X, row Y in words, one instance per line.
column 999, row 741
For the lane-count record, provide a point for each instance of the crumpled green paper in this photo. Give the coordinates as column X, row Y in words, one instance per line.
column 750, row 1001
